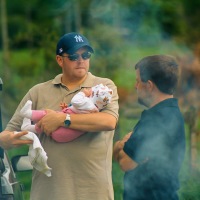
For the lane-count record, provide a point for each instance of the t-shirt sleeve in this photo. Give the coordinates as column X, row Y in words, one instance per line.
column 142, row 143
column 113, row 107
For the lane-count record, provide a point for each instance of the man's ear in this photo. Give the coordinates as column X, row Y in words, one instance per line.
column 150, row 85
column 59, row 60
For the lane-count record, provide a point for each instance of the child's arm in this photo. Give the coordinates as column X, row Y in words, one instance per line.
column 87, row 92
column 81, row 102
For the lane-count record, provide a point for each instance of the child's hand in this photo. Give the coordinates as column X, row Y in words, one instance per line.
column 87, row 91
column 63, row 105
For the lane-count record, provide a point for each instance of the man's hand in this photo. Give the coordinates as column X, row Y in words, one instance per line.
column 9, row 140
column 125, row 162
column 51, row 121
column 119, row 145
column 126, row 137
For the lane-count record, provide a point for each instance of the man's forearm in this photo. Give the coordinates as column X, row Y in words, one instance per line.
column 93, row 122
column 125, row 162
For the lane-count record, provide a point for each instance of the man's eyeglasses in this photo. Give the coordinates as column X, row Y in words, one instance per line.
column 74, row 57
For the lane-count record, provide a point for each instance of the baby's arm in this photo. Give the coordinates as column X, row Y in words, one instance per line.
column 87, row 92
column 82, row 102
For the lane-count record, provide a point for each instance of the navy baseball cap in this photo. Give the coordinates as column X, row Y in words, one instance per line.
column 71, row 42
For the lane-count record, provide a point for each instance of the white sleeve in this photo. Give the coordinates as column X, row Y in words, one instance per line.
column 83, row 103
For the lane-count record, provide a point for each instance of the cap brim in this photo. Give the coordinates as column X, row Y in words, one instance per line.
column 77, row 47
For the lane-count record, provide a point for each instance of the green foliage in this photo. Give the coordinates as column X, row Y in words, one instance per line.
column 141, row 20
column 28, row 22
column 190, row 180
column 192, row 16
column 190, row 184
column 121, row 32
column 24, row 71
column 150, row 21
column 26, row 63
column 190, row 189
column 117, row 175
column 109, row 50
column 23, row 177
column 168, row 11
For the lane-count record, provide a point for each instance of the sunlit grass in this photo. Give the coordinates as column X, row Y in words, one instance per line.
column 23, row 177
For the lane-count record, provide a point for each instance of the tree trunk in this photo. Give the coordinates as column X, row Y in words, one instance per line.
column 77, row 15
column 5, row 40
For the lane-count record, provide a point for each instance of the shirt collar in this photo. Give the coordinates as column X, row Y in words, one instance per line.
column 171, row 102
column 57, row 79
column 89, row 81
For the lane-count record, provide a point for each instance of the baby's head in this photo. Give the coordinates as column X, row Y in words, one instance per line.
column 101, row 96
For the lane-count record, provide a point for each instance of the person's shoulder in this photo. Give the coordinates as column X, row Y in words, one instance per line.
column 43, row 85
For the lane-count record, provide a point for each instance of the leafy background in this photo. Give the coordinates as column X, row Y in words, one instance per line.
column 121, row 32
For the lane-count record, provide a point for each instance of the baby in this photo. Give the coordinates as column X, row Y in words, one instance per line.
column 87, row 101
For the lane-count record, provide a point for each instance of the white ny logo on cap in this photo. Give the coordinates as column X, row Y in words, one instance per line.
column 78, row 38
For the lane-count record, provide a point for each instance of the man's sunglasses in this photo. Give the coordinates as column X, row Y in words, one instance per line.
column 74, row 57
